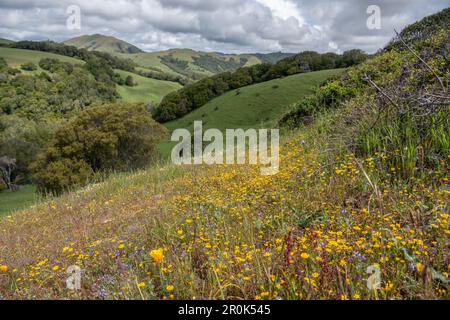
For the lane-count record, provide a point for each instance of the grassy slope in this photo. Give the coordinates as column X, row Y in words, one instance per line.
column 11, row 201
column 256, row 105
column 16, row 57
column 146, row 90
column 5, row 41
column 152, row 60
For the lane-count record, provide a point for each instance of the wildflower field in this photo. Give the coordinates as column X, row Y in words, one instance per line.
column 224, row 232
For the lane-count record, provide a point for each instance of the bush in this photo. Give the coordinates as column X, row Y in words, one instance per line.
column 28, row 66
column 129, row 81
column 3, row 63
column 113, row 137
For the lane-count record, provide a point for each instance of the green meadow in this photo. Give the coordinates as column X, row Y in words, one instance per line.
column 146, row 90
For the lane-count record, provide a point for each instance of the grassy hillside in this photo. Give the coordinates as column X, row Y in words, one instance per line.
column 16, row 57
column 5, row 41
column 195, row 95
column 150, row 61
column 194, row 64
column 146, row 89
column 102, row 43
column 255, row 106
column 258, row 105
column 12, row 201
column 175, row 62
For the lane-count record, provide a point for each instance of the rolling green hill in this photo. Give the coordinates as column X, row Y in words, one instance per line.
column 97, row 42
column 258, row 105
column 146, row 89
column 16, row 57
column 4, row 41
column 187, row 63
column 255, row 106
column 195, row 64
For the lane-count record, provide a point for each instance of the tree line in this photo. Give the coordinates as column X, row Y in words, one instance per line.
column 74, row 52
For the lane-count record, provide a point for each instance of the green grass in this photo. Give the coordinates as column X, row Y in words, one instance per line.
column 151, row 61
column 255, row 106
column 146, row 90
column 16, row 57
column 21, row 199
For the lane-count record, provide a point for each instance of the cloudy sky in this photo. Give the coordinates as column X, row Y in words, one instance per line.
column 218, row 25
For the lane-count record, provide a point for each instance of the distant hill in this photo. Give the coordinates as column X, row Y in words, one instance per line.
column 196, row 65
column 145, row 89
column 4, row 41
column 102, row 43
column 186, row 63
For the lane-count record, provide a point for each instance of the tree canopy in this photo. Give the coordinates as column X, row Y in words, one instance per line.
column 112, row 137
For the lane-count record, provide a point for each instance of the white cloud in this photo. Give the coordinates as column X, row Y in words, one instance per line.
column 283, row 9
column 226, row 25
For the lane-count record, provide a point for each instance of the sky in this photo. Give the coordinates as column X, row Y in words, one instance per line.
column 229, row 26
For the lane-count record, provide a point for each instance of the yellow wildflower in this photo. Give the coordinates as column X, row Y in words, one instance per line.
column 157, row 255
column 419, row 267
column 170, row 288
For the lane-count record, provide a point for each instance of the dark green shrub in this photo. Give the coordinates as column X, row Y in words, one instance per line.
column 28, row 66
column 114, row 137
